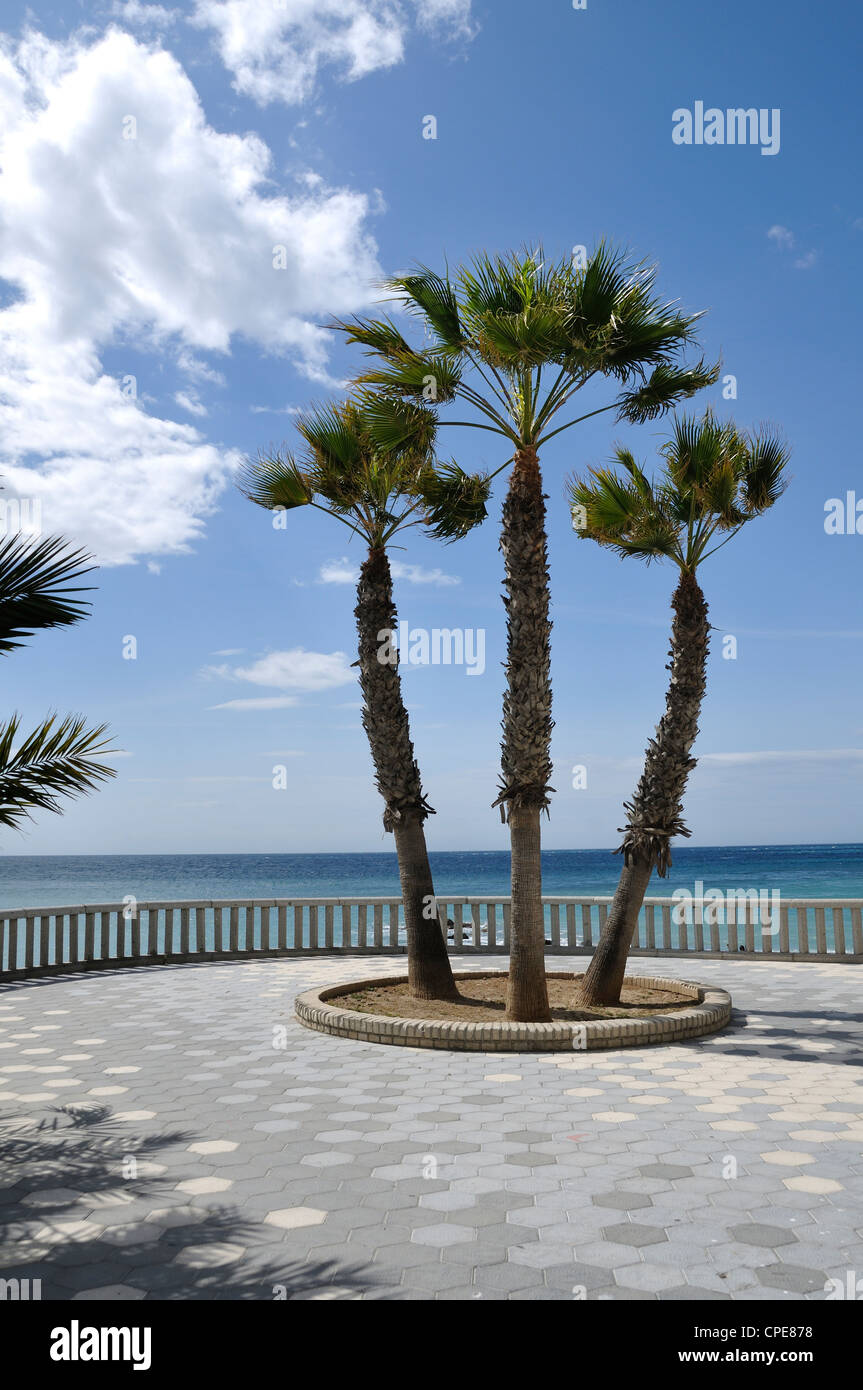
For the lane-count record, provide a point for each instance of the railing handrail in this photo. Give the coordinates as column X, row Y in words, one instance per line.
column 57, row 938
column 480, row 899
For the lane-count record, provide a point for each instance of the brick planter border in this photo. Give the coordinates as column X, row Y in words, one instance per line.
column 709, row 1011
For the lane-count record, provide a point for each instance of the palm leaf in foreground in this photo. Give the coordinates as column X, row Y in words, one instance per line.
column 37, row 589
column 58, row 759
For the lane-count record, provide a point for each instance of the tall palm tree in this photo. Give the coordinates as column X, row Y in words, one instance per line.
column 516, row 339
column 59, row 758
column 715, row 479
column 370, row 464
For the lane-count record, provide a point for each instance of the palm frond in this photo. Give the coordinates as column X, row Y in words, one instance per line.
column 37, row 589
column 764, row 479
column 455, row 501
column 58, row 759
column 527, row 339
column 599, row 288
column 422, row 377
column 610, row 503
column 666, row 386
column 397, row 427
column 275, row 481
column 332, row 433
column 380, row 336
column 425, row 293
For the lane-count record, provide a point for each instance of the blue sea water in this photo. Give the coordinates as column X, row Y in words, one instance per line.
column 807, row 871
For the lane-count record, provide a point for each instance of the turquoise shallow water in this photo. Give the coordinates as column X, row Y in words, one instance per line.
column 811, row 871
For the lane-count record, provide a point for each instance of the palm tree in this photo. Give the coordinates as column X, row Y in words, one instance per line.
column 370, row 464
column 715, row 479
column 59, row 757
column 516, row 340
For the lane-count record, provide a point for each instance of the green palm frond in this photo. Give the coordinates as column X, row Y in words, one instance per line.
column 527, row 339
column 500, row 286
column 397, row 427
column 764, row 481
column 598, row 290
column 434, row 299
column 274, row 481
column 720, row 490
column 665, row 388
column 455, row 501
column 333, row 434
column 643, row 484
column 58, row 759
column 37, row 589
column 610, row 503
column 422, row 377
column 380, row 336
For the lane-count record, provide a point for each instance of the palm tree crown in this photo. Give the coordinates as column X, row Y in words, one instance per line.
column 716, row 478
column 516, row 338
column 369, row 461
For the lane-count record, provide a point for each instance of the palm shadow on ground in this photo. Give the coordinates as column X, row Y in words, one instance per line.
column 82, row 1150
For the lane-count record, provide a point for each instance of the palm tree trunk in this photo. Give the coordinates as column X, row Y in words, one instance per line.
column 654, row 814
column 527, row 725
column 385, row 720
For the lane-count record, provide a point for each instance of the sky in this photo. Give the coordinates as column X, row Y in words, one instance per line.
column 189, row 193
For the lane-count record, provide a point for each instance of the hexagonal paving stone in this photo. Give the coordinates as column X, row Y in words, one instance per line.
column 289, row 1218
column 628, row 1233
column 665, row 1170
column 818, row 1186
column 445, row 1234
column 622, row 1201
column 792, row 1278
column 199, row 1187
column 762, row 1235
column 650, row 1278
column 788, row 1158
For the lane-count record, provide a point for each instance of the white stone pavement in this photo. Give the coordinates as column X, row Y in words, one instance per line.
column 173, row 1132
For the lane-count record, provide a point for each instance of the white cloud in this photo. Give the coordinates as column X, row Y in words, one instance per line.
column 338, row 572
column 133, row 12
column 187, row 400
column 263, row 702
column 197, row 369
column 343, row 572
column 296, row 669
column 275, row 49
column 784, row 238
column 453, row 16
column 164, row 241
column 781, row 236
column 415, row 574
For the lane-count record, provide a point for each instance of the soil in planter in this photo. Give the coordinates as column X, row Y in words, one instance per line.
column 483, row 1000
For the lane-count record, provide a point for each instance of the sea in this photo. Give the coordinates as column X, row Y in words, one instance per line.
column 797, row 871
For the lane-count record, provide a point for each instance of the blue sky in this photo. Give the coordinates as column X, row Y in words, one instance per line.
column 258, row 124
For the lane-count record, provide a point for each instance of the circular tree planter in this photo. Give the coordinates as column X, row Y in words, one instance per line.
column 709, row 1011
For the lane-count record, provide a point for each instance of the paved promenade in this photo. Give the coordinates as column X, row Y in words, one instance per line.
column 172, row 1132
